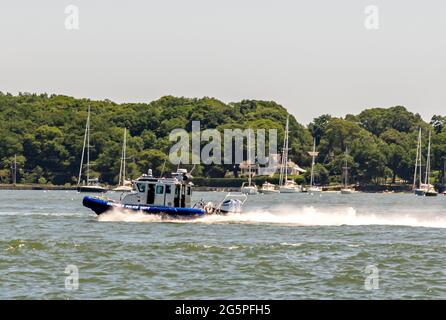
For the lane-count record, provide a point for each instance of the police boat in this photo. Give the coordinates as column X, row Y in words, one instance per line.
column 165, row 196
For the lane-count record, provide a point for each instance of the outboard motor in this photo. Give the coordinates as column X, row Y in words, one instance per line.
column 231, row 206
column 232, row 203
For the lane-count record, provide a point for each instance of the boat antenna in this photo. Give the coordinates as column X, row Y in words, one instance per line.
column 192, row 170
column 162, row 170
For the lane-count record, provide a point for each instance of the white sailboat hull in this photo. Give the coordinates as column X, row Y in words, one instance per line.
column 250, row 190
column 123, row 189
column 92, row 189
column 269, row 191
column 347, row 191
column 289, row 190
column 314, row 190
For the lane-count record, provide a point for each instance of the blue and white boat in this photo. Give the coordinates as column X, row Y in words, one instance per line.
column 165, row 196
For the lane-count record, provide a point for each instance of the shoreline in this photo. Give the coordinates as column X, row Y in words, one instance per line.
column 337, row 188
column 35, row 187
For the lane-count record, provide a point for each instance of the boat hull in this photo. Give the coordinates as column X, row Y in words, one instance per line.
column 91, row 189
column 100, row 206
column 289, row 190
column 249, row 191
column 123, row 189
column 418, row 192
column 314, row 190
column 269, row 191
column 422, row 192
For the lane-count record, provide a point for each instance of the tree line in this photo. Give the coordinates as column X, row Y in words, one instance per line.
column 45, row 133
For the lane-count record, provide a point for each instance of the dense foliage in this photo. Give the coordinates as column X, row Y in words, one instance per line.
column 46, row 133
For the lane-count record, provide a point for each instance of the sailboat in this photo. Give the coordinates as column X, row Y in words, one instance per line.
column 430, row 190
column 346, row 189
column 249, row 188
column 269, row 188
column 286, row 186
column 424, row 189
column 123, row 184
column 313, row 154
column 417, row 183
column 92, row 184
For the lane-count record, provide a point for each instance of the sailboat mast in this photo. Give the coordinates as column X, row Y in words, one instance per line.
column 312, row 162
column 88, row 147
column 83, row 152
column 428, row 161
column 416, row 160
column 346, row 168
column 420, row 163
column 120, row 166
column 122, row 162
column 124, row 156
column 249, row 157
column 282, row 163
column 286, row 149
column 15, row 170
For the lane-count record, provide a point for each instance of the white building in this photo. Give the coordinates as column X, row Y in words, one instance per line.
column 271, row 168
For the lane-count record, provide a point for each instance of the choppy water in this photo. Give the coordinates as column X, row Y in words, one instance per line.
column 294, row 246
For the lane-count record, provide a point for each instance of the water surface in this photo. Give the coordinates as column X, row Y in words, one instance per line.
column 294, row 246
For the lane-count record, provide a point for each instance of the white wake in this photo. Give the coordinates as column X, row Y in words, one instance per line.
column 304, row 216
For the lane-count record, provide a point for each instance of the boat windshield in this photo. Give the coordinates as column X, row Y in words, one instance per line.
column 141, row 187
column 159, row 189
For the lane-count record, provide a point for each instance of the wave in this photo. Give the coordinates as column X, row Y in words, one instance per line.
column 304, row 216
column 37, row 213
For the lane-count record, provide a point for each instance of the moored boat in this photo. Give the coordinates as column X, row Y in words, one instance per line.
column 423, row 189
column 249, row 188
column 286, row 185
column 91, row 185
column 268, row 188
column 123, row 184
column 124, row 188
column 431, row 193
column 313, row 189
column 346, row 189
column 290, row 186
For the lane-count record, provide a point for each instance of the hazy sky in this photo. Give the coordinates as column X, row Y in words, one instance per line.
column 313, row 57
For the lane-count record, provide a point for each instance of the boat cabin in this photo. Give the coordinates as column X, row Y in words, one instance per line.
column 169, row 192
